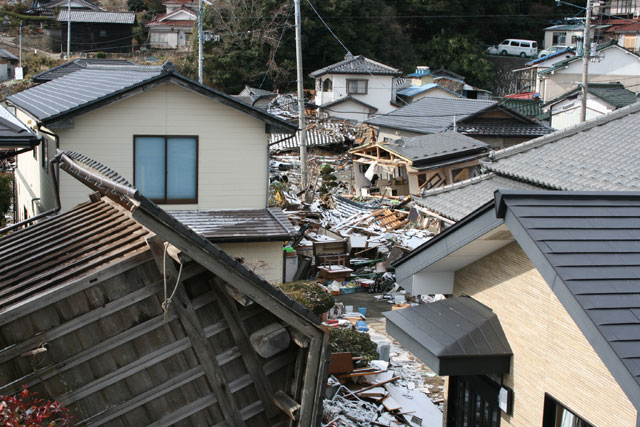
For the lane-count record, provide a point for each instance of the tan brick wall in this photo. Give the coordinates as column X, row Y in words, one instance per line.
column 551, row 355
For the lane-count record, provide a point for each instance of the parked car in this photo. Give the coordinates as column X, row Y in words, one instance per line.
column 517, row 47
column 551, row 50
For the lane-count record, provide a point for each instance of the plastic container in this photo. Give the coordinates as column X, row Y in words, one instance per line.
column 384, row 350
column 363, row 310
column 362, row 326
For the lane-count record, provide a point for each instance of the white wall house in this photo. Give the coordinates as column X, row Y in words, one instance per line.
column 602, row 98
column 173, row 29
column 355, row 88
column 612, row 64
column 185, row 146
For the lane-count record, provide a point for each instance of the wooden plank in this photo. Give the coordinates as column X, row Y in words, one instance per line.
column 141, row 399
column 196, row 334
column 186, row 411
column 226, row 272
column 308, row 400
column 286, row 403
column 57, row 293
column 125, row 371
column 10, row 352
column 227, row 305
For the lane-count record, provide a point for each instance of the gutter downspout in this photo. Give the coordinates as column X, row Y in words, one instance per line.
column 43, row 214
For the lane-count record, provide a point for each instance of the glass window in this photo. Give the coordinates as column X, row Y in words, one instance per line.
column 327, row 86
column 357, row 86
column 557, row 415
column 515, row 43
column 166, row 168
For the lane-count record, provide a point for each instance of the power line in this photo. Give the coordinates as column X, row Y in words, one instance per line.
column 325, row 24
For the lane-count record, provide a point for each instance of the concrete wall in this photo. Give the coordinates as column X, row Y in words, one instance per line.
column 349, row 111
column 567, row 113
column 379, row 90
column 264, row 258
column 394, row 134
column 551, row 355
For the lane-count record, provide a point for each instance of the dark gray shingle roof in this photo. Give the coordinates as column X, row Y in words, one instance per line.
column 75, row 65
column 95, row 16
column 455, row 336
column 430, row 114
column 592, row 243
column 435, row 146
column 357, row 65
column 614, row 94
column 458, row 200
column 79, row 88
column 503, row 127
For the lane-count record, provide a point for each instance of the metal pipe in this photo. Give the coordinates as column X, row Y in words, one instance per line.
column 200, row 40
column 301, row 123
column 68, row 29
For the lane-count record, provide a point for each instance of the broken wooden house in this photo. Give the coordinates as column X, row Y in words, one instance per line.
column 411, row 165
column 129, row 318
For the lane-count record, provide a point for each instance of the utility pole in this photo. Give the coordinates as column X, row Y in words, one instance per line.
column 20, row 54
column 200, row 40
column 586, row 47
column 68, row 29
column 301, row 124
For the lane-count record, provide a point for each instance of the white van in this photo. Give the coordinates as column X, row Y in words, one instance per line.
column 517, row 47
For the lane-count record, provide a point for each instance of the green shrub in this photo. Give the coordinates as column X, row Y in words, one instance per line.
column 310, row 294
column 357, row 343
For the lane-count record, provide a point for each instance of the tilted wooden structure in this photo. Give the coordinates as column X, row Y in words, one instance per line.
column 82, row 321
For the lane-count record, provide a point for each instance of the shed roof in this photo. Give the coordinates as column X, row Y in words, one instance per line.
column 586, row 246
column 95, row 16
column 4, row 53
column 75, row 65
column 97, row 85
column 357, row 65
column 527, row 107
column 255, row 225
column 455, row 336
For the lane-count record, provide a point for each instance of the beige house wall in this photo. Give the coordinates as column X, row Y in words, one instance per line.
column 232, row 147
column 551, row 355
column 263, row 258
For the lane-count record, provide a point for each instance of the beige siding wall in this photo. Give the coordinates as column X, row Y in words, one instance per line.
column 34, row 183
column 265, row 259
column 232, row 147
column 551, row 355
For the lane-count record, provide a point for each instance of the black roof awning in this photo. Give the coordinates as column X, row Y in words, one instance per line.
column 455, row 336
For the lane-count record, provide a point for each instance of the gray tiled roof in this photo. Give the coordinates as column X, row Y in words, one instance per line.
column 614, row 94
column 503, row 127
column 435, row 146
column 460, row 199
column 357, row 65
column 600, row 154
column 588, row 245
column 75, row 65
column 76, row 89
column 4, row 53
column 94, row 16
column 97, row 168
column 430, row 114
column 319, row 135
column 238, row 225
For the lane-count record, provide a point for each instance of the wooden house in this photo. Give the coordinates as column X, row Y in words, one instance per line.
column 128, row 317
column 96, row 31
column 8, row 64
column 540, row 326
column 411, row 165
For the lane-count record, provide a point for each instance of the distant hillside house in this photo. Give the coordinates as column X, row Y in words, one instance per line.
column 625, row 32
column 8, row 63
column 48, row 7
column 612, row 64
column 439, row 83
column 355, row 88
column 173, row 29
column 97, row 31
column 602, row 98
